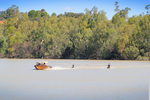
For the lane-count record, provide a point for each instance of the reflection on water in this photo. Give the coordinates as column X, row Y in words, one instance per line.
column 88, row 80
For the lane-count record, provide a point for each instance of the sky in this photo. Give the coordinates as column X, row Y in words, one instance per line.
column 76, row 6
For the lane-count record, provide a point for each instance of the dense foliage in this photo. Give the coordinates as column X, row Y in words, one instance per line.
column 88, row 36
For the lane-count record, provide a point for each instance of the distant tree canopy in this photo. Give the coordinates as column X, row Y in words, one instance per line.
column 38, row 13
column 88, row 35
column 13, row 11
column 53, row 14
column 71, row 14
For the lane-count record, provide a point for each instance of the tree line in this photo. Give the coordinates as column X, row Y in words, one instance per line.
column 88, row 35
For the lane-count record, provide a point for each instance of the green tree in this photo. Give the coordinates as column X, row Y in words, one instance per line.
column 130, row 53
column 147, row 7
column 31, row 14
column 117, row 7
column 37, row 13
column 53, row 14
column 124, row 12
column 3, row 43
column 42, row 10
column 3, row 15
column 44, row 14
column 24, row 16
column 13, row 11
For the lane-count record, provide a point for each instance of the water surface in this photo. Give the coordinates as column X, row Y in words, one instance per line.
column 89, row 80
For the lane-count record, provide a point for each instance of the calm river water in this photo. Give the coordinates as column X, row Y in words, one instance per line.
column 89, row 80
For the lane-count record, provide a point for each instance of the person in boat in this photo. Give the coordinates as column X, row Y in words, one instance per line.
column 42, row 65
column 72, row 65
column 108, row 66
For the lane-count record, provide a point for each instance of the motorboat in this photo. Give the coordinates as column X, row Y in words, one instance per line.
column 42, row 65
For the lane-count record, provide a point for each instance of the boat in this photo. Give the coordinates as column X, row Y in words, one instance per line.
column 42, row 65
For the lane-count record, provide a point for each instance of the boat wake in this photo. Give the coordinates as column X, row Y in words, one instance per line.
column 69, row 68
column 59, row 68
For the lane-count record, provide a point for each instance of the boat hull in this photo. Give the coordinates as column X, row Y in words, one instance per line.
column 42, row 67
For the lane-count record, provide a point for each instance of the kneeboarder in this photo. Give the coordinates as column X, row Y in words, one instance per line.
column 108, row 66
column 72, row 65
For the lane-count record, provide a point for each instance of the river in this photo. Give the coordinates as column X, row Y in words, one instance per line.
column 88, row 80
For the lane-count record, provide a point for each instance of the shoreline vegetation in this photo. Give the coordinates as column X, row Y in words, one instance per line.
column 89, row 35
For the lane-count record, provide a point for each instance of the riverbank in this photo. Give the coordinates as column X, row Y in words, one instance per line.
column 144, row 59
